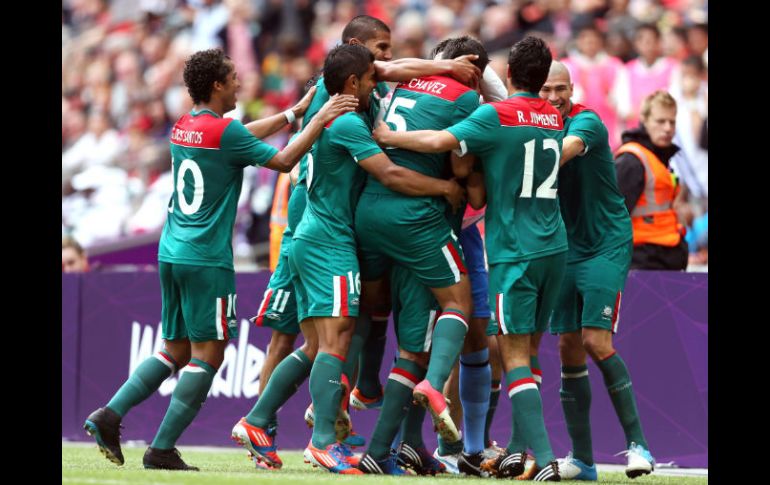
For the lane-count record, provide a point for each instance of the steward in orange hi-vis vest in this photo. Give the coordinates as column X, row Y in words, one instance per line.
column 653, row 218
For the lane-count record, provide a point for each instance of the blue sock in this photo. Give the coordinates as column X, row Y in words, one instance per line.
column 396, row 440
column 475, row 379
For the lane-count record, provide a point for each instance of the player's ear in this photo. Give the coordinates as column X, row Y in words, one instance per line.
column 353, row 81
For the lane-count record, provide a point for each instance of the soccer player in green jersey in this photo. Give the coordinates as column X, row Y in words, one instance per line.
column 586, row 314
column 257, row 430
column 518, row 142
column 195, row 257
column 323, row 254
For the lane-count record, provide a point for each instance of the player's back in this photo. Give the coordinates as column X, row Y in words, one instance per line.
column 426, row 103
column 519, row 141
column 206, row 190
column 207, row 175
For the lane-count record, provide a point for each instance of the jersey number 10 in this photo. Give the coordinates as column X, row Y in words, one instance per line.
column 191, row 208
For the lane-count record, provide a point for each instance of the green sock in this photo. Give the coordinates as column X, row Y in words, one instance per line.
column 575, row 395
column 326, row 392
column 494, row 396
column 186, row 401
column 370, row 360
column 145, row 380
column 448, row 336
column 528, row 414
column 398, row 397
column 283, row 383
column 411, row 426
column 517, row 442
column 357, row 342
column 537, row 372
column 618, row 383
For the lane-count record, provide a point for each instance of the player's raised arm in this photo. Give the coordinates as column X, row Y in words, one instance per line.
column 267, row 126
column 459, row 68
column 338, row 104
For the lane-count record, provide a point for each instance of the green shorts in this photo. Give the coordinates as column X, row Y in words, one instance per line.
column 278, row 309
column 523, row 294
column 591, row 292
column 415, row 311
column 198, row 302
column 411, row 232
column 326, row 280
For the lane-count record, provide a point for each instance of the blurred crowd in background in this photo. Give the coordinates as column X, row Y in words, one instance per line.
column 122, row 87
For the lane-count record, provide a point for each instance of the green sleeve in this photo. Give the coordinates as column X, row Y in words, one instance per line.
column 587, row 126
column 244, row 148
column 349, row 132
column 320, row 97
column 478, row 132
column 464, row 106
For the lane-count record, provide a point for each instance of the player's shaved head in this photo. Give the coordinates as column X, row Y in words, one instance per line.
column 559, row 69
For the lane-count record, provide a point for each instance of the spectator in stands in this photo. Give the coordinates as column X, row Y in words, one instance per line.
column 649, row 72
column 698, row 39
column 73, row 257
column 692, row 162
column 597, row 80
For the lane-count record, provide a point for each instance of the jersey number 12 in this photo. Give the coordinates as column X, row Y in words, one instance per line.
column 545, row 190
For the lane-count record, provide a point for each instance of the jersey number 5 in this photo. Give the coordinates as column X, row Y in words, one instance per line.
column 545, row 190
column 396, row 118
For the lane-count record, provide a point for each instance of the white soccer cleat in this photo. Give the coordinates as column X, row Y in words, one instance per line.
column 640, row 461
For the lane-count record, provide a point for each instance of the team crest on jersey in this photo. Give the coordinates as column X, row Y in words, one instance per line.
column 607, row 312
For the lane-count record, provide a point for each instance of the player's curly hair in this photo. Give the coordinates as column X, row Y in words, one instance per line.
column 529, row 62
column 202, row 69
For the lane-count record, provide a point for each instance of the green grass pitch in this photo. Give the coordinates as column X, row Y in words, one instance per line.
column 85, row 465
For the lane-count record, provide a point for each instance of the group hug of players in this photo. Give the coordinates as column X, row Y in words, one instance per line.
column 378, row 224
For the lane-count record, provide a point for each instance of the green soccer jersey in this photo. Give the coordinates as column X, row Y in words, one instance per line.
column 426, row 103
column 335, row 181
column 593, row 208
column 208, row 155
column 519, row 142
column 321, row 96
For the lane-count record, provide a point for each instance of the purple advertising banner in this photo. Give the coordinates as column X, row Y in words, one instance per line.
column 662, row 337
column 70, row 297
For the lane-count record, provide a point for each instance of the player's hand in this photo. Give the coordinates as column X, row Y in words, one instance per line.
column 455, row 195
column 381, row 132
column 300, row 108
column 337, row 105
column 464, row 71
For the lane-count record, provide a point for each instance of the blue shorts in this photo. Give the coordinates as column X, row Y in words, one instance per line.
column 473, row 249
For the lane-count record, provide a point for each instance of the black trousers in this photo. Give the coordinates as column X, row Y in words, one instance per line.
column 654, row 256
